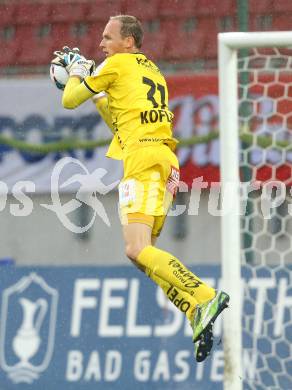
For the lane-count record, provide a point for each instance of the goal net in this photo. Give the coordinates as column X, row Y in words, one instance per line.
column 256, row 137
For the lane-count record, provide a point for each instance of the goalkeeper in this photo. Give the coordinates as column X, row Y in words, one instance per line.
column 135, row 106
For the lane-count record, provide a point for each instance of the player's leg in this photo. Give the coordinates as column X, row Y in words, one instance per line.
column 169, row 268
column 180, row 291
column 181, row 299
column 205, row 313
column 139, row 235
column 161, row 265
column 154, row 191
column 138, row 239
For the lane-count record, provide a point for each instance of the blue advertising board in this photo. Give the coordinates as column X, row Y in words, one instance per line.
column 67, row 328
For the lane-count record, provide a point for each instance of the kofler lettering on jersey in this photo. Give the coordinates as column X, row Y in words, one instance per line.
column 153, row 116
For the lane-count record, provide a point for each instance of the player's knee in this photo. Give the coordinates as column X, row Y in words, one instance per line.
column 133, row 250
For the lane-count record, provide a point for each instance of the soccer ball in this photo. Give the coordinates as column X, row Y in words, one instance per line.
column 59, row 75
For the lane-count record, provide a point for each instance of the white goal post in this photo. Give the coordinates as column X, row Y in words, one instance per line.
column 229, row 44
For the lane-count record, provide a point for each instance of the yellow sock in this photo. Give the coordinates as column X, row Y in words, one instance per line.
column 181, row 299
column 171, row 270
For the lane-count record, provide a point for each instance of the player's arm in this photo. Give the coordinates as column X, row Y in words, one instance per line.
column 85, row 81
column 75, row 93
column 101, row 103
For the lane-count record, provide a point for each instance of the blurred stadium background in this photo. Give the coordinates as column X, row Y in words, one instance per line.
column 31, row 30
column 109, row 330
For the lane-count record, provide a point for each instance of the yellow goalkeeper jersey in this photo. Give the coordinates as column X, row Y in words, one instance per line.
column 137, row 101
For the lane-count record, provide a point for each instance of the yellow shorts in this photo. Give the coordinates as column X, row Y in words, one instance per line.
column 151, row 179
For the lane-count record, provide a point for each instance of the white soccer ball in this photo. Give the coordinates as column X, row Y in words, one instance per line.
column 59, row 75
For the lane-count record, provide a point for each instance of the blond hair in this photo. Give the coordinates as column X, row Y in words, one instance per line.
column 130, row 27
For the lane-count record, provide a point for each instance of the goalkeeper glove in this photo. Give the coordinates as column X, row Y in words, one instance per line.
column 75, row 63
column 67, row 56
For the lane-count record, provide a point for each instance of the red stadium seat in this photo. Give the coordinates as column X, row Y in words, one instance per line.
column 95, row 31
column 27, row 12
column 281, row 22
column 199, row 43
column 227, row 23
column 9, row 52
column 261, row 22
column 208, row 24
column 215, row 7
column 154, row 45
column 7, row 14
column 185, row 46
column 68, row 12
column 101, row 10
column 88, row 42
column 176, row 8
column 211, row 47
column 61, row 35
column 282, row 6
column 143, row 9
column 260, row 6
column 214, row 25
column 174, row 26
column 34, row 50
